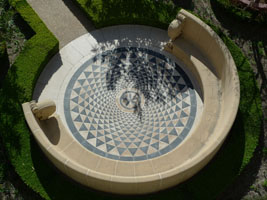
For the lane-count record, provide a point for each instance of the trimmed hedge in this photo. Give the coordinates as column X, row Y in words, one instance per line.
column 33, row 167
column 143, row 12
column 240, row 13
column 18, row 87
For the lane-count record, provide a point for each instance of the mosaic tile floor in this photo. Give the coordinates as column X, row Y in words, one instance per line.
column 130, row 104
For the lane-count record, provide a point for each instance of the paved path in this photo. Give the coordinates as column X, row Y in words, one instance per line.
column 63, row 18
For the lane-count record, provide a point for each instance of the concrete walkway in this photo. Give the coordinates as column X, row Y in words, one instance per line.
column 63, row 18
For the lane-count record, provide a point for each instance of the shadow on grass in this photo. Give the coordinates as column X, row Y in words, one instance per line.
column 223, row 168
column 24, row 28
column 74, row 8
column 10, row 176
column 116, row 12
column 10, row 136
column 241, row 186
column 11, row 94
column 4, row 63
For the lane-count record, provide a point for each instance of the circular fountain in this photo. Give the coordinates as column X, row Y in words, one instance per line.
column 130, row 104
column 136, row 112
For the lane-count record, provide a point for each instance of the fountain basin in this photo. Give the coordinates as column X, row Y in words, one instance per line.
column 135, row 112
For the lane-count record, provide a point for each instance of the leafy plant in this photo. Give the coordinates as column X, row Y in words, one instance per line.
column 113, row 12
column 6, row 17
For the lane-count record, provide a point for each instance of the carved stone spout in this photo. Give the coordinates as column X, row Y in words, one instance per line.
column 43, row 110
column 176, row 27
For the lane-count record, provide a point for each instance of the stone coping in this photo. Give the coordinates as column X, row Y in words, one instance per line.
column 209, row 65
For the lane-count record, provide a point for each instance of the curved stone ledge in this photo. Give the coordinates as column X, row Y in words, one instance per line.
column 211, row 66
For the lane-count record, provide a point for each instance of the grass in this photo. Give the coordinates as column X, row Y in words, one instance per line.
column 4, row 61
column 113, row 12
column 5, row 31
column 17, row 88
column 10, row 32
column 6, row 15
column 32, row 166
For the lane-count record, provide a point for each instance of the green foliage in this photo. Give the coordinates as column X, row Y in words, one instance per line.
column 241, row 13
column 10, row 33
column 6, row 16
column 18, row 87
column 113, row 12
column 261, row 49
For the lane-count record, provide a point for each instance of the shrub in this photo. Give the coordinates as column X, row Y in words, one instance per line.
column 144, row 12
column 18, row 87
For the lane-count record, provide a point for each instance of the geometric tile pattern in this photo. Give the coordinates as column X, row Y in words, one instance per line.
column 154, row 128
